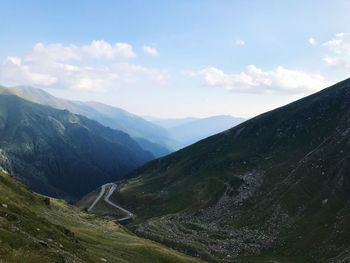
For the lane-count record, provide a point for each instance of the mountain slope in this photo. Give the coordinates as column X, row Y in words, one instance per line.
column 38, row 229
column 59, row 153
column 276, row 185
column 151, row 137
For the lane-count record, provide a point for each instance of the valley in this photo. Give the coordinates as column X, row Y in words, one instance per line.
column 244, row 195
column 36, row 229
column 106, row 194
column 174, row 131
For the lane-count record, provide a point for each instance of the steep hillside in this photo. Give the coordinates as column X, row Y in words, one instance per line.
column 59, row 153
column 38, row 229
column 149, row 136
column 277, row 185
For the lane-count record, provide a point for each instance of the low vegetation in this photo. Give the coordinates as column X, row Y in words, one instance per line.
column 37, row 229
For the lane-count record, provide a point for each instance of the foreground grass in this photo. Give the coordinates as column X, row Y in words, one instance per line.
column 37, row 229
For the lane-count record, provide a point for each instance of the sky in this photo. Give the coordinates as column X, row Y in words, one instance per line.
column 176, row 58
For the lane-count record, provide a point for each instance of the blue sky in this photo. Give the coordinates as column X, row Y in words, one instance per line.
column 176, row 58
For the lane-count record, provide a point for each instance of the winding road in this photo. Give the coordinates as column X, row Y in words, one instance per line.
column 106, row 192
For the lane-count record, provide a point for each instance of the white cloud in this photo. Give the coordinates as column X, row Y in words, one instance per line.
column 312, row 41
column 150, row 50
column 102, row 49
column 255, row 80
column 240, row 42
column 97, row 49
column 74, row 67
column 13, row 69
column 339, row 51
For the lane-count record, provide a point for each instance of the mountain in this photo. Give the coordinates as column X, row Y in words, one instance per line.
column 170, row 123
column 159, row 136
column 195, row 130
column 38, row 229
column 189, row 130
column 149, row 136
column 275, row 188
column 61, row 154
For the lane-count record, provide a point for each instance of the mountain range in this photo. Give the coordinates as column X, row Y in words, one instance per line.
column 59, row 153
column 150, row 137
column 40, row 139
column 187, row 131
column 275, row 188
column 158, row 136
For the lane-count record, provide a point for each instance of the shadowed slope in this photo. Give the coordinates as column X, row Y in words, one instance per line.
column 59, row 153
column 149, row 136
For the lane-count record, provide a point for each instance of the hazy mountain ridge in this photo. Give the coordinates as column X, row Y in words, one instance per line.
column 170, row 123
column 59, row 153
column 197, row 129
column 159, row 136
column 277, row 184
column 150, row 136
column 187, row 131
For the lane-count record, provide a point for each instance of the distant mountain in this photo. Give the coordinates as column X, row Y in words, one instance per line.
column 61, row 154
column 151, row 137
column 276, row 186
column 159, row 136
column 170, row 123
column 190, row 130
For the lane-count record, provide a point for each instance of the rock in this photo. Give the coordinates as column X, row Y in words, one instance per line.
column 43, row 243
column 4, row 205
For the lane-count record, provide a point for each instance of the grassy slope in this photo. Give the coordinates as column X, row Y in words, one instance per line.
column 275, row 141
column 33, row 230
column 301, row 150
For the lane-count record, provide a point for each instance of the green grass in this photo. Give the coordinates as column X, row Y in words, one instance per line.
column 35, row 230
column 302, row 153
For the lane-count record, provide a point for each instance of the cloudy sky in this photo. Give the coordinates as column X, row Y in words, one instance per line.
column 177, row 58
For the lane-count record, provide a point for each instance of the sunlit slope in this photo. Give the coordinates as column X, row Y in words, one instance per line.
column 35, row 229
